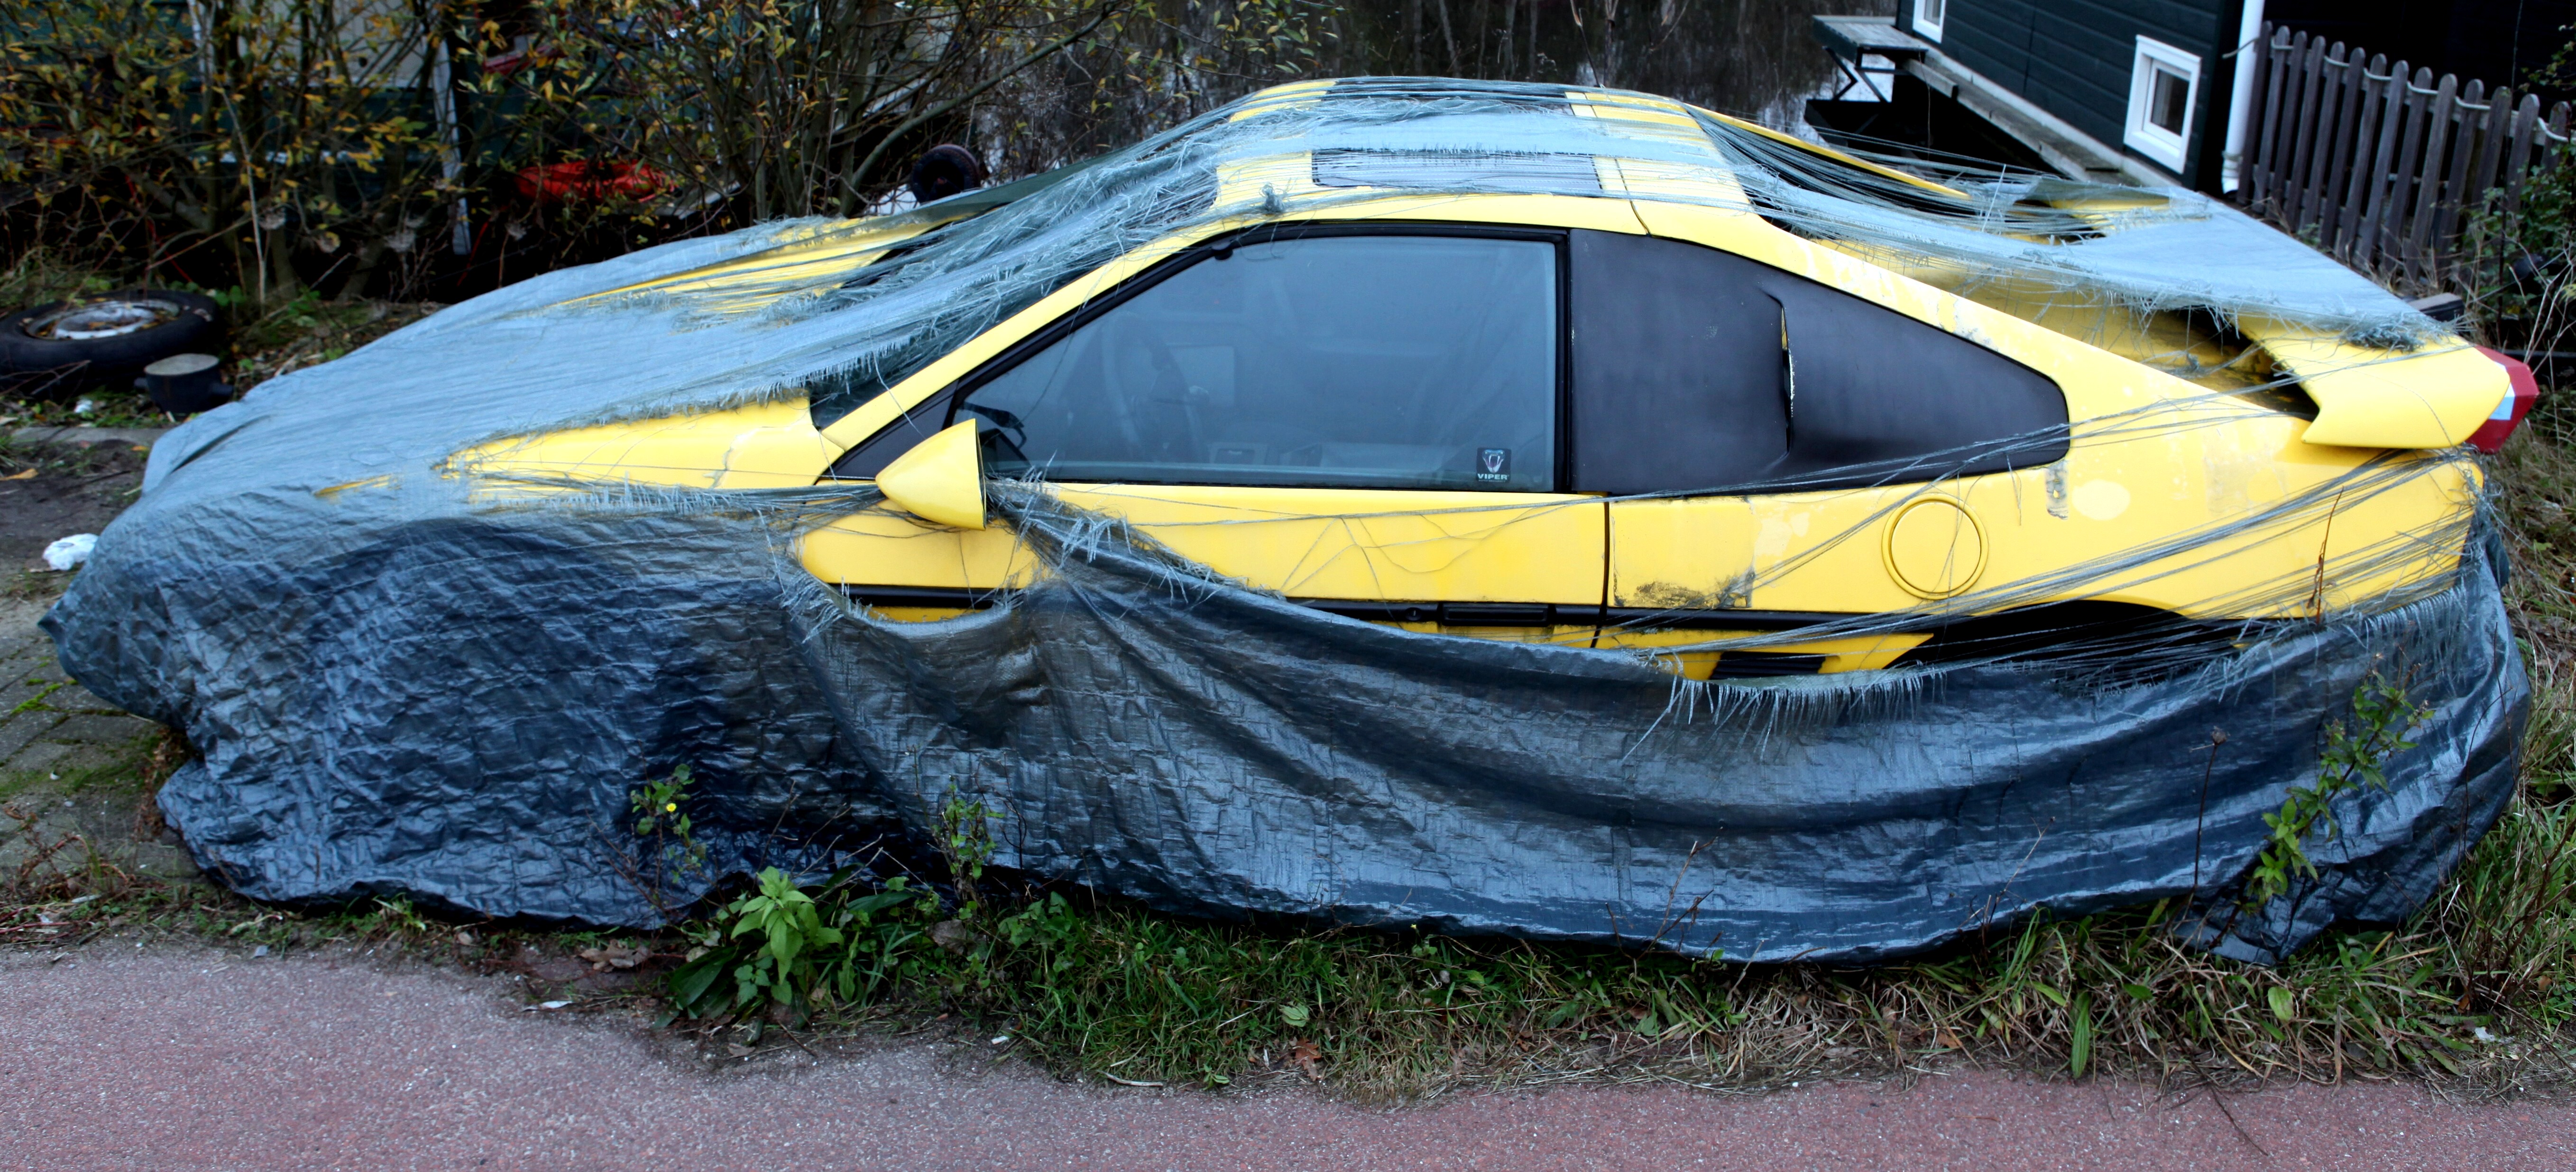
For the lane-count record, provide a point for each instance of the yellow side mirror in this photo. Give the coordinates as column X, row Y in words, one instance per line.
column 941, row 479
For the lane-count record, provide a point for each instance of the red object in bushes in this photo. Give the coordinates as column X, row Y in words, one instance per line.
column 2490, row 435
column 589, row 182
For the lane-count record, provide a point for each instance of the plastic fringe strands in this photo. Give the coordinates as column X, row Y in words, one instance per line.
column 413, row 668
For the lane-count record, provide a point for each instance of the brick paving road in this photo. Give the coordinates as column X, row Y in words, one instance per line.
column 176, row 1057
column 68, row 757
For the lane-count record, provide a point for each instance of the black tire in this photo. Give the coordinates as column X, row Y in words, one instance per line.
column 36, row 365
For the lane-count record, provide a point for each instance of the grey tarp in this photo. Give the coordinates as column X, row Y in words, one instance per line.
column 469, row 703
column 406, row 681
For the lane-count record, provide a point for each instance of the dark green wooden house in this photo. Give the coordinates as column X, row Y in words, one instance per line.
column 2144, row 91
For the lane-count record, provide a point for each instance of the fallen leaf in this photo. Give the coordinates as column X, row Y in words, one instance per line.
column 1308, row 1057
column 23, row 474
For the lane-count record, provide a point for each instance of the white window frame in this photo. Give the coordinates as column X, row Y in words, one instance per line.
column 2159, row 145
column 1930, row 26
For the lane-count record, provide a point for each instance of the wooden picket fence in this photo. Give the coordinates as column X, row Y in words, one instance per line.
column 2380, row 165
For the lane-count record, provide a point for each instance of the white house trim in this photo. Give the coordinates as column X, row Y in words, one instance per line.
column 2240, row 96
column 2164, row 100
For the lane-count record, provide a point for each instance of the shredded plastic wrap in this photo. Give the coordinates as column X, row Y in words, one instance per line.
column 407, row 679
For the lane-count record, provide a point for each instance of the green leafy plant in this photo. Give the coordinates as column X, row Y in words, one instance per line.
column 658, row 817
column 671, row 850
column 790, row 931
column 2384, row 714
column 966, row 841
column 784, row 946
column 397, row 916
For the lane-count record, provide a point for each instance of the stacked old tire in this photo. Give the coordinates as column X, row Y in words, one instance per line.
column 58, row 351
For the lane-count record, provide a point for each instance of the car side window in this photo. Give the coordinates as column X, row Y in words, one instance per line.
column 1374, row 361
column 1697, row 368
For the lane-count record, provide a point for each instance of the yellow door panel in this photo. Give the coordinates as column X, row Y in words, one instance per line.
column 1341, row 545
column 1345, row 544
column 1376, row 545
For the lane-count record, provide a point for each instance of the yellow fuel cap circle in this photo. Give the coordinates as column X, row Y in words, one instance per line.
column 1935, row 548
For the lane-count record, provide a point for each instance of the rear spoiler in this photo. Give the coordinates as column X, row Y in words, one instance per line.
column 2433, row 396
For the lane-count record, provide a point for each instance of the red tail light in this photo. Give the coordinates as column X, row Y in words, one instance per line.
column 2490, row 435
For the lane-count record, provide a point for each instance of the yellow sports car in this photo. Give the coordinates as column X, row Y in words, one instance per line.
column 1650, row 525
column 1615, row 402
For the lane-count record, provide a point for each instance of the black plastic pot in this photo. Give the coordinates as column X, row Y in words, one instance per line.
column 56, row 351
column 184, row 384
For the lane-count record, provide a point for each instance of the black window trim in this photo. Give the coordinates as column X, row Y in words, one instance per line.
column 942, row 405
column 1892, row 471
